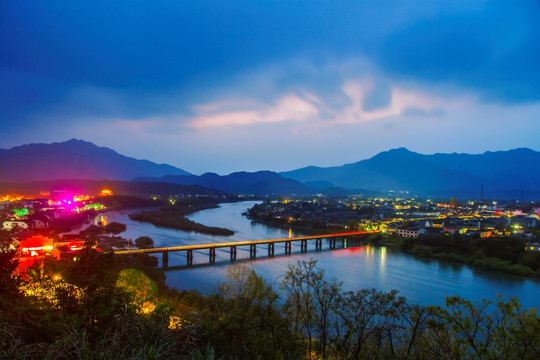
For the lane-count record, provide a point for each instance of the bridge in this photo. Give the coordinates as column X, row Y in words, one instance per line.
column 251, row 243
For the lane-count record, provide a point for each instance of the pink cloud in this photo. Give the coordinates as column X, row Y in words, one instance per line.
column 290, row 107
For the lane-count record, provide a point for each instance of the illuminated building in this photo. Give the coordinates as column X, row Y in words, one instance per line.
column 36, row 245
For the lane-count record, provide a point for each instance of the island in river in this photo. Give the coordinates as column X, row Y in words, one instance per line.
column 173, row 215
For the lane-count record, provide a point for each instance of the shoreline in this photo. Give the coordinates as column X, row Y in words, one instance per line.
column 490, row 265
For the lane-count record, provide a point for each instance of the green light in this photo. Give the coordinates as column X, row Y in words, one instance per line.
column 95, row 206
column 20, row 212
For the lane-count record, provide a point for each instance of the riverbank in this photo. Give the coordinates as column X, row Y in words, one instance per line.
column 307, row 230
column 505, row 255
column 173, row 216
column 502, row 254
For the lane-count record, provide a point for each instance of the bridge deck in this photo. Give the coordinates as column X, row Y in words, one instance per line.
column 239, row 243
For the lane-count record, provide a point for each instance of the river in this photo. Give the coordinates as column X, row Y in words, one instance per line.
column 422, row 281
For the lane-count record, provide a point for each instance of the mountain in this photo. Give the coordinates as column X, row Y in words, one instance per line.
column 502, row 172
column 256, row 183
column 75, row 159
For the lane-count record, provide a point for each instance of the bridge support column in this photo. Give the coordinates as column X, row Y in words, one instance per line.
column 318, row 244
column 303, row 245
column 252, row 251
column 333, row 243
column 189, row 257
column 233, row 253
column 287, row 247
column 270, row 249
column 344, row 242
column 212, row 255
column 165, row 259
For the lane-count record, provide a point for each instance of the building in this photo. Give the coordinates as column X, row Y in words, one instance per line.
column 410, row 232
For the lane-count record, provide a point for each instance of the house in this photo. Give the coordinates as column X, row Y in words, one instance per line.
column 14, row 225
column 437, row 223
column 413, row 232
column 35, row 245
column 523, row 221
column 451, row 228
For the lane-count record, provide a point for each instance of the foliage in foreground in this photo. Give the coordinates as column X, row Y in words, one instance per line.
column 94, row 313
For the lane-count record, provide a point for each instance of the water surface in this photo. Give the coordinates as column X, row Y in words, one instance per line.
column 423, row 281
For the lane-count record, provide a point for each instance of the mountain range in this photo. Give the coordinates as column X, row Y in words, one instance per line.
column 504, row 174
column 259, row 183
column 74, row 159
column 501, row 173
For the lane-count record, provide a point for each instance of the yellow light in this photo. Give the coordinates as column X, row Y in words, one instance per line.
column 175, row 322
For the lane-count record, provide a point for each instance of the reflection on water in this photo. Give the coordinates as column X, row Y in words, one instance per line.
column 424, row 281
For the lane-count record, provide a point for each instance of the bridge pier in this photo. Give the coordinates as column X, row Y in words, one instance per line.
column 318, row 244
column 332, row 243
column 287, row 247
column 344, row 242
column 212, row 255
column 165, row 259
column 303, row 245
column 270, row 249
column 252, row 251
column 233, row 253
column 189, row 257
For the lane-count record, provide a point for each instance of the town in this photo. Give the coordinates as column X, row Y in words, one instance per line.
column 405, row 217
column 53, row 224
column 43, row 226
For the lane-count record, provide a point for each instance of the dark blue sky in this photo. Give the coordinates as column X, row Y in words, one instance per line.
column 247, row 85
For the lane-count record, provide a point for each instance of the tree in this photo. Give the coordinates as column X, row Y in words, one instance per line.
column 92, row 231
column 144, row 242
column 309, row 302
column 241, row 319
column 463, row 330
column 8, row 281
column 139, row 287
column 375, row 325
column 115, row 228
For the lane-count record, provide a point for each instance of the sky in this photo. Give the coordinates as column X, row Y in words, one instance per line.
column 247, row 85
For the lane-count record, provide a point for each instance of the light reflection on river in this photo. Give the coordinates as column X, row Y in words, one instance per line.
column 423, row 281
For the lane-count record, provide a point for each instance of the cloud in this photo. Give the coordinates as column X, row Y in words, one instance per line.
column 355, row 100
column 290, row 107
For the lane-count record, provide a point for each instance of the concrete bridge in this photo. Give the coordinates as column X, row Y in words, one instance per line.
column 233, row 245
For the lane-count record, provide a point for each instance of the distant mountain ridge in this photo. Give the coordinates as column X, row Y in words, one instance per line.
column 505, row 174
column 257, row 183
column 400, row 169
column 75, row 159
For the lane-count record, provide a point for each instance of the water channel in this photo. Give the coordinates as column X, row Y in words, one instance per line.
column 422, row 281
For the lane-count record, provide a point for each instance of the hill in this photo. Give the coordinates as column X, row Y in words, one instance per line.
column 74, row 159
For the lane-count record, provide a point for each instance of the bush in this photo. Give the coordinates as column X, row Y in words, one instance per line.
column 115, row 228
column 451, row 257
column 422, row 250
column 144, row 242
